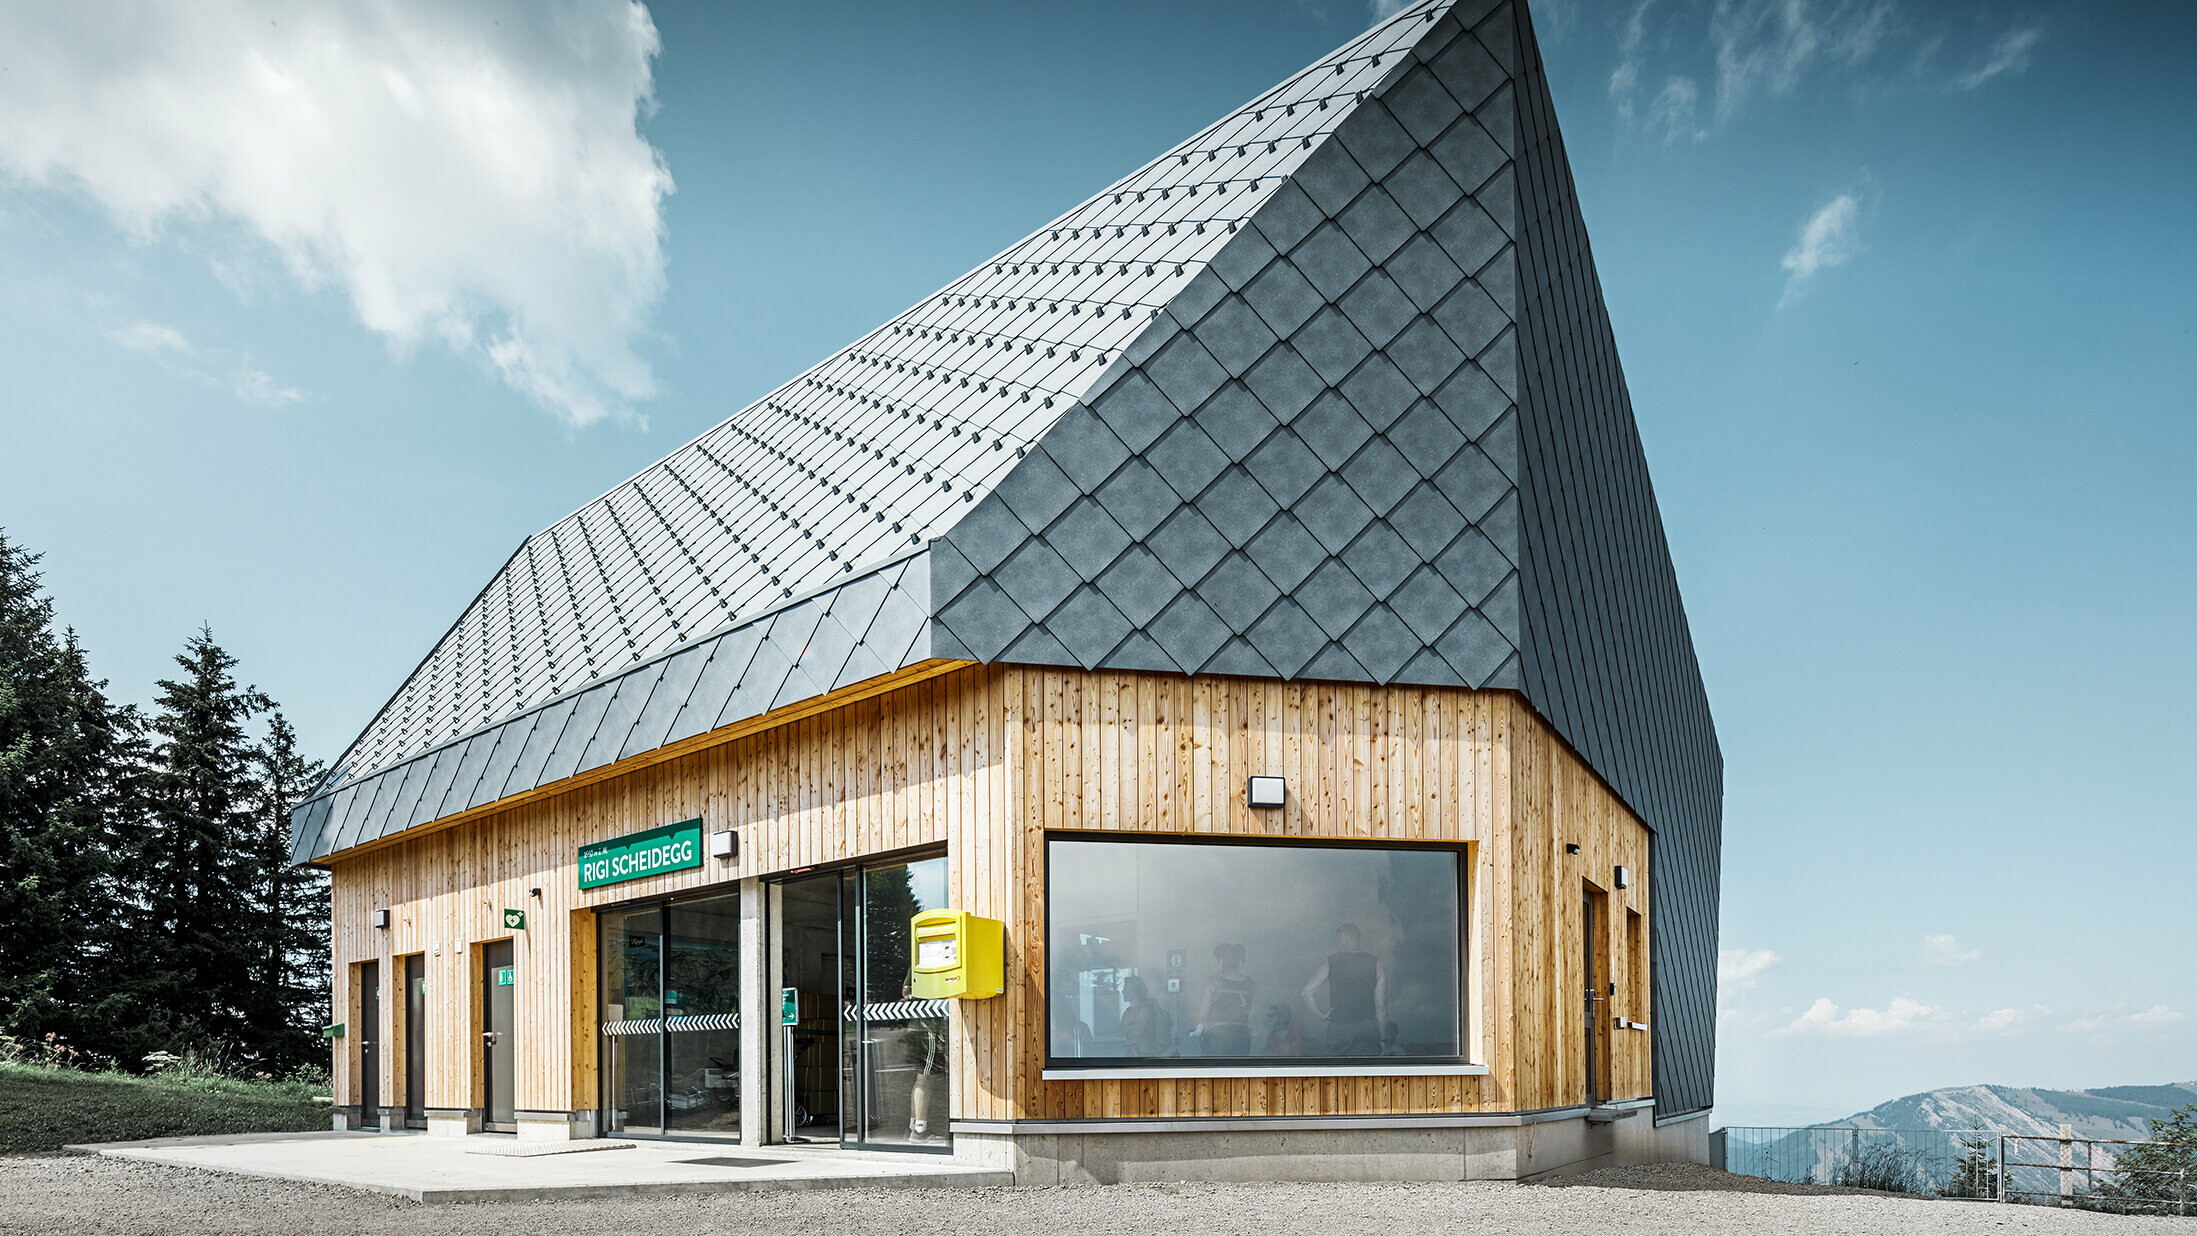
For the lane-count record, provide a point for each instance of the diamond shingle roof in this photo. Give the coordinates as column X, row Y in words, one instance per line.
column 874, row 450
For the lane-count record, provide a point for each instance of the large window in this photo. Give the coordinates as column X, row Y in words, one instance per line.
column 1269, row 954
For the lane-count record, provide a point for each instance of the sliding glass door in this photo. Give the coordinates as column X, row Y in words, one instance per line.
column 670, row 985
column 903, row 1086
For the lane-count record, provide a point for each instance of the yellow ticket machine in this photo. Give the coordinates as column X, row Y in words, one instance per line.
column 958, row 955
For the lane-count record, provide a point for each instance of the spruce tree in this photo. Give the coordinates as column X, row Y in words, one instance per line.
column 64, row 750
column 289, row 912
column 192, row 863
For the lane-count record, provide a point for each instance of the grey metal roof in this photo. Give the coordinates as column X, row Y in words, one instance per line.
column 864, row 457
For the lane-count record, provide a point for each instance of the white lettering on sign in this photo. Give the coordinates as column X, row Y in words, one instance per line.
column 660, row 857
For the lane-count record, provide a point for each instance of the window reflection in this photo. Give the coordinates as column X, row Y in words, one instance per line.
column 1248, row 952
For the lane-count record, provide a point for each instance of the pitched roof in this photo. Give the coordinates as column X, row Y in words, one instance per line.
column 873, row 451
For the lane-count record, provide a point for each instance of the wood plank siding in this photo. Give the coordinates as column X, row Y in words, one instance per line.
column 986, row 760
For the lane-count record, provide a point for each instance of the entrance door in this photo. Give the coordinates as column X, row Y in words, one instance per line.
column 1595, row 966
column 415, row 1042
column 499, row 983
column 370, row 1044
column 869, row 1062
column 670, row 987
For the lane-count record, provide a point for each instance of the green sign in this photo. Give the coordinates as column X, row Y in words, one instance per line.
column 514, row 920
column 789, row 1006
column 674, row 847
column 332, row 1032
column 503, row 976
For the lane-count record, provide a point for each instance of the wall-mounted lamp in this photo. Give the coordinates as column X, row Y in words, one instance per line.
column 724, row 844
column 1571, row 847
column 1624, row 876
column 381, row 918
column 1268, row 792
column 537, row 893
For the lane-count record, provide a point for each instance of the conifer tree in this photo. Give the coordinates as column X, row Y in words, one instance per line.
column 289, row 912
column 64, row 750
column 191, row 865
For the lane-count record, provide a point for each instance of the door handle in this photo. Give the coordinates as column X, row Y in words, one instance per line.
column 490, row 1037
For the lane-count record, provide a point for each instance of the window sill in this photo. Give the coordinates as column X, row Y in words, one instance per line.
column 1171, row 1071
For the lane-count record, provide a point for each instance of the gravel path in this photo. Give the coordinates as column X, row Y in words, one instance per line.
column 48, row 1194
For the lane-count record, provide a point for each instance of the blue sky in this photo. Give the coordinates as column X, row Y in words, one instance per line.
column 308, row 319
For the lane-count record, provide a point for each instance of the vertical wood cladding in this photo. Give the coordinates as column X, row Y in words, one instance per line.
column 987, row 760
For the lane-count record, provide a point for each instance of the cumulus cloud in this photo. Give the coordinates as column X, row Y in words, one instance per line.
column 1947, row 951
column 462, row 173
column 2155, row 1016
column 2010, row 54
column 1998, row 1020
column 1901, row 1016
column 1830, row 237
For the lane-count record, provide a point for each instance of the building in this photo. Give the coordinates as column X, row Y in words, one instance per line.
column 1303, row 452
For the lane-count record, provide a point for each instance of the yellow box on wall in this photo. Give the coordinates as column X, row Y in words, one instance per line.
column 958, row 955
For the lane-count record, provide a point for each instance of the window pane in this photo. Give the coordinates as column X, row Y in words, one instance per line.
column 631, row 986
column 1267, row 952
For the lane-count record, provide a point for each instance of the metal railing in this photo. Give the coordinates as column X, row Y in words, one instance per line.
column 2145, row 1177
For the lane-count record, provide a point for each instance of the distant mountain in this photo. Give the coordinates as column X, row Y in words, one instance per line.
column 2103, row 1112
column 1925, row 1133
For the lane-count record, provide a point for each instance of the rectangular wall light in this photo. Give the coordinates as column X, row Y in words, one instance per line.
column 1624, row 876
column 724, row 844
column 1268, row 792
column 381, row 918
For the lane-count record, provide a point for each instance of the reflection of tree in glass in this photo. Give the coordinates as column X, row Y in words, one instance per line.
column 706, row 974
column 889, row 894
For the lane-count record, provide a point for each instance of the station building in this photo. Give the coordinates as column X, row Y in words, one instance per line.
column 1246, row 591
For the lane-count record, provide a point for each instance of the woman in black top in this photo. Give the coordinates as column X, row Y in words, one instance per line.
column 1357, row 996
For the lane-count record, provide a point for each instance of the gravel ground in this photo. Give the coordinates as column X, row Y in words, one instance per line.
column 48, row 1194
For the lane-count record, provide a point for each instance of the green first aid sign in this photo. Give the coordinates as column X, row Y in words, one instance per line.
column 674, row 847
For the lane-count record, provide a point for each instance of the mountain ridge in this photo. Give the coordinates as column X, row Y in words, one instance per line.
column 2107, row 1112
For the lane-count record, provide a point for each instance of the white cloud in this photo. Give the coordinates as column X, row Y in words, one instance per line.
column 1382, row 10
column 463, row 173
column 1947, row 951
column 253, row 386
column 177, row 354
column 1672, row 113
column 2156, row 1015
column 1901, row 1016
column 1830, row 237
column 2000, row 1020
column 150, row 338
column 1738, row 968
column 2010, row 54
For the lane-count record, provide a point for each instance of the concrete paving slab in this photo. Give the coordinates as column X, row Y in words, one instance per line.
column 441, row 1169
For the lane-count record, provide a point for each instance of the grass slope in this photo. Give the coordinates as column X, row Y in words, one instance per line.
column 44, row 1109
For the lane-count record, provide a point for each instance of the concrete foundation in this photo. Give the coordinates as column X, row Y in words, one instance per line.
column 555, row 1126
column 1530, row 1147
column 453, row 1121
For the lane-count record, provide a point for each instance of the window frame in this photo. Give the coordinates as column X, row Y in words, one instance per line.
column 1130, row 1068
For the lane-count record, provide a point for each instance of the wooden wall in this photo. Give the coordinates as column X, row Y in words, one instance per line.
column 987, row 760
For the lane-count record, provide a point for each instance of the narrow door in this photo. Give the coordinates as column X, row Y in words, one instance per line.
column 369, row 1029
column 498, row 1066
column 415, row 1042
column 809, row 1051
column 1595, row 967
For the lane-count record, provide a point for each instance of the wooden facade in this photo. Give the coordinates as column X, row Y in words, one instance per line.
column 987, row 761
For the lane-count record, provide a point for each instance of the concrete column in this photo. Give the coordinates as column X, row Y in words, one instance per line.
column 756, row 1009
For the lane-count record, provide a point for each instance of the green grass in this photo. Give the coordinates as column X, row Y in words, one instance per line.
column 43, row 1109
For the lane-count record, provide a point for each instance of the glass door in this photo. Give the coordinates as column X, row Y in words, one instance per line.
column 632, row 986
column 900, row 1084
column 702, row 1018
